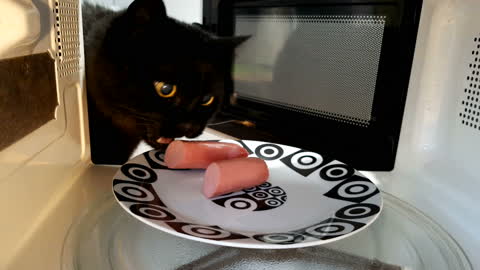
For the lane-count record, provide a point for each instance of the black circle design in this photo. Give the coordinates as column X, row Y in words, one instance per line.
column 356, row 211
column 151, row 212
column 336, row 172
column 362, row 189
column 355, row 189
column 275, row 191
column 280, row 238
column 265, row 185
column 333, row 228
column 240, row 204
column 206, row 232
column 273, row 202
column 139, row 173
column 365, row 188
column 259, row 194
column 306, row 161
column 127, row 190
column 330, row 229
column 134, row 192
column 258, row 199
column 359, row 210
column 160, row 156
column 250, row 189
column 311, row 159
column 269, row 151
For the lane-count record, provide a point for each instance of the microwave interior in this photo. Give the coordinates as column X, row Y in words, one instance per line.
column 329, row 76
column 59, row 209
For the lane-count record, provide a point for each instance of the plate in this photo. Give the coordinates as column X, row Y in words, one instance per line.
column 309, row 199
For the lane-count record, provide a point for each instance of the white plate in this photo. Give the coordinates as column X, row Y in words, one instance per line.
column 308, row 200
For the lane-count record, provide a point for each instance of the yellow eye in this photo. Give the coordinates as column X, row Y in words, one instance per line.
column 164, row 89
column 207, row 100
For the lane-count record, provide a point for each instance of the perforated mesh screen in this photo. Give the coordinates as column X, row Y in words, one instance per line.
column 470, row 113
column 324, row 66
column 66, row 25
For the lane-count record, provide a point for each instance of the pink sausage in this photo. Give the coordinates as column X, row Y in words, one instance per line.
column 199, row 154
column 232, row 175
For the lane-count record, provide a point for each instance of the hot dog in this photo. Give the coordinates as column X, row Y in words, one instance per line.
column 200, row 154
column 231, row 175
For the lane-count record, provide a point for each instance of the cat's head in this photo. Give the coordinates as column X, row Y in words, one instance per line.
column 170, row 77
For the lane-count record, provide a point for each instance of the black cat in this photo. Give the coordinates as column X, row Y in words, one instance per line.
column 150, row 76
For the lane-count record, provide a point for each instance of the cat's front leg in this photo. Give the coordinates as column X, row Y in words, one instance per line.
column 109, row 143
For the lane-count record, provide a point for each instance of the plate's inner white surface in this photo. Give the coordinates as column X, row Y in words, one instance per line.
column 181, row 191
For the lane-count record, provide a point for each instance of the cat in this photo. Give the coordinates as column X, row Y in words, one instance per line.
column 149, row 76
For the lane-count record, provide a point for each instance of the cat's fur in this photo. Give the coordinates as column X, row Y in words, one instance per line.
column 126, row 52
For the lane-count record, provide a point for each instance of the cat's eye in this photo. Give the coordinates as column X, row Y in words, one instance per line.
column 207, row 100
column 164, row 89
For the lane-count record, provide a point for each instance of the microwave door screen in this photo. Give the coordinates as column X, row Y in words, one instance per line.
column 322, row 65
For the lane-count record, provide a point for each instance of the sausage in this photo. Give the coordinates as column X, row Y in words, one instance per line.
column 199, row 154
column 231, row 175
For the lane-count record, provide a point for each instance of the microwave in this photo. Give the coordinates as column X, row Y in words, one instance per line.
column 328, row 76
column 400, row 102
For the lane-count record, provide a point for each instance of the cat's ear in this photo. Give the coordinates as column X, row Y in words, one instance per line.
column 147, row 11
column 233, row 41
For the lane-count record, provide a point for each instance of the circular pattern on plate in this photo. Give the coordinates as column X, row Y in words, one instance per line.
column 240, row 204
column 250, row 189
column 139, row 172
column 321, row 230
column 260, row 195
column 159, row 157
column 302, row 176
column 269, row 151
column 204, row 231
column 265, row 185
column 331, row 228
column 280, row 238
column 151, row 212
column 356, row 211
column 336, row 172
column 137, row 193
column 306, row 160
column 273, row 202
column 354, row 189
column 276, row 191
column 260, row 198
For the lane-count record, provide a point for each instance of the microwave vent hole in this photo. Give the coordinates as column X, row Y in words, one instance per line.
column 470, row 109
column 67, row 32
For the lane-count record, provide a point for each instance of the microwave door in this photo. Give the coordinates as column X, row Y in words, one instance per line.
column 327, row 76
